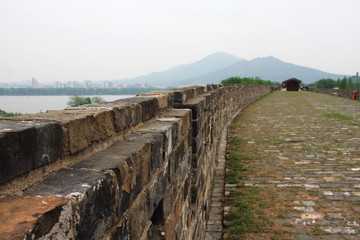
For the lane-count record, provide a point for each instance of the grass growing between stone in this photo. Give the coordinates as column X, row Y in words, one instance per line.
column 251, row 207
column 338, row 116
column 246, row 212
column 293, row 158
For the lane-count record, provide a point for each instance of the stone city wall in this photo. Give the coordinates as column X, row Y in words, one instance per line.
column 136, row 168
column 337, row 92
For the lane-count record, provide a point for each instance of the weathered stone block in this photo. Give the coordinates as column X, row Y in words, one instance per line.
column 209, row 87
column 121, row 231
column 176, row 157
column 26, row 145
column 165, row 98
column 197, row 157
column 197, row 143
column 178, row 129
column 80, row 127
column 185, row 165
column 19, row 221
column 196, row 126
column 157, row 190
column 197, row 106
column 127, row 115
column 130, row 160
column 157, row 147
column 149, row 106
column 167, row 129
column 184, row 115
column 138, row 218
column 184, row 94
column 94, row 192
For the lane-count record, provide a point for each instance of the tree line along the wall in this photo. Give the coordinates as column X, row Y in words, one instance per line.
column 248, row 80
column 345, row 83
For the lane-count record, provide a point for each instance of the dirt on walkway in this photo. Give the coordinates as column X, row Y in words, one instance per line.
column 293, row 169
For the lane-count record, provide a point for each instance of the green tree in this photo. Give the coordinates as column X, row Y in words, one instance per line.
column 326, row 83
column 78, row 100
column 97, row 99
column 350, row 84
column 343, row 83
column 7, row 114
column 248, row 80
column 338, row 83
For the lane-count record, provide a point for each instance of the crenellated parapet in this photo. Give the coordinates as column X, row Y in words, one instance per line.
column 136, row 168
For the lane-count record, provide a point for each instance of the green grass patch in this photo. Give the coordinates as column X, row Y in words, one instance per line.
column 288, row 225
column 338, row 116
column 313, row 193
column 317, row 231
column 246, row 212
column 237, row 168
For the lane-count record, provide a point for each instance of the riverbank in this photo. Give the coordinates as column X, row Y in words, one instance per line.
column 36, row 104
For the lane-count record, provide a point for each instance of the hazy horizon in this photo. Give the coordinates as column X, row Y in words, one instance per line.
column 106, row 40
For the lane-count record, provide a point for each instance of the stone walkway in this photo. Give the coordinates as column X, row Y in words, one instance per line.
column 214, row 226
column 302, row 151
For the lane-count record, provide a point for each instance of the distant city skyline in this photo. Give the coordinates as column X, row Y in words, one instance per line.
column 116, row 39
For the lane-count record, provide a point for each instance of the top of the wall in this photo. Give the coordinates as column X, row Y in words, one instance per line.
column 29, row 142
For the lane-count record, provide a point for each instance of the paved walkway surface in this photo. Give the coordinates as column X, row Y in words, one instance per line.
column 214, row 226
column 302, row 150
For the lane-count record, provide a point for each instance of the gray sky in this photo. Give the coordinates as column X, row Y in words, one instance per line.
column 104, row 40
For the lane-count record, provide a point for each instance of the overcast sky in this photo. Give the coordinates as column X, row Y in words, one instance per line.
column 104, row 40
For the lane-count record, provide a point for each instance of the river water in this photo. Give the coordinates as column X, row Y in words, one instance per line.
column 36, row 104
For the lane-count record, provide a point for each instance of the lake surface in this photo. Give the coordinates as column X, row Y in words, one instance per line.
column 36, row 104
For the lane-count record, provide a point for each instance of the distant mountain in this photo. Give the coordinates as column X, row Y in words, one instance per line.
column 267, row 68
column 181, row 73
column 221, row 65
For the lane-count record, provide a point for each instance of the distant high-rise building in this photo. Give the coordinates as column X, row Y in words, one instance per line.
column 88, row 83
column 108, row 84
column 35, row 83
column 58, row 84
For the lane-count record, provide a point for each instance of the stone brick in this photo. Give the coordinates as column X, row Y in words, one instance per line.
column 130, row 160
column 165, row 98
column 138, row 218
column 157, row 147
column 185, row 165
column 196, row 126
column 94, row 192
column 121, row 231
column 176, row 157
column 197, row 143
column 19, row 220
column 182, row 95
column 197, row 106
column 184, row 114
column 197, row 157
column 178, row 127
column 157, row 190
column 127, row 115
column 26, row 145
column 80, row 127
column 149, row 106
column 168, row 129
